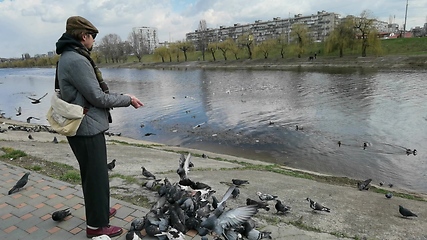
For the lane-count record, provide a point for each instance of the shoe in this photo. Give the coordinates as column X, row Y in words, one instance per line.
column 113, row 212
column 109, row 230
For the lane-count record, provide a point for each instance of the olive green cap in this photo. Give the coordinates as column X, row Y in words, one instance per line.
column 79, row 23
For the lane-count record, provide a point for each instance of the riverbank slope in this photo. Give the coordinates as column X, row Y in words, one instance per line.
column 354, row 214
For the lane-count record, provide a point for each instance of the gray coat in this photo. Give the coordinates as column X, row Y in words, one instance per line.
column 78, row 84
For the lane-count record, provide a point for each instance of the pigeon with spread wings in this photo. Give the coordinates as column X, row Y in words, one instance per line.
column 36, row 100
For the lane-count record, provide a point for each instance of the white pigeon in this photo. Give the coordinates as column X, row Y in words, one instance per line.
column 102, row 237
column 172, row 234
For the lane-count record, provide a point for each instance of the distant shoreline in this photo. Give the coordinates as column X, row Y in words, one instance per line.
column 412, row 62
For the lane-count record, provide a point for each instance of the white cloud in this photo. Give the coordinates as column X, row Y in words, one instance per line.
column 34, row 26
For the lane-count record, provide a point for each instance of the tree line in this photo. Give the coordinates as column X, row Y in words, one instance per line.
column 352, row 33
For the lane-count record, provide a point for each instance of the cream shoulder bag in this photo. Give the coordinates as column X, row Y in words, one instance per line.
column 64, row 118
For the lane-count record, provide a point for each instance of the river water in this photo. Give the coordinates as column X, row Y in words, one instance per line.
column 254, row 113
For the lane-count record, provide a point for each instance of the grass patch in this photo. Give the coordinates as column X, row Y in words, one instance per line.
column 138, row 200
column 55, row 170
column 71, row 176
column 128, row 179
column 136, row 144
column 36, row 168
column 397, row 194
column 340, row 235
column 301, row 225
column 12, row 153
column 272, row 220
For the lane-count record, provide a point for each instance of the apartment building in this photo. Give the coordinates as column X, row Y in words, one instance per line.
column 149, row 35
column 319, row 26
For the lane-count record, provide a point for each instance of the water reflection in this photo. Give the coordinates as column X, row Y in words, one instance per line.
column 254, row 113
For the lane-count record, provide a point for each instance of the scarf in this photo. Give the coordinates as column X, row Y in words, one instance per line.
column 84, row 52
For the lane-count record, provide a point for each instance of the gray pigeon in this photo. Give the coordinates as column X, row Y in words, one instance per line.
column 111, row 164
column 253, row 234
column 36, row 100
column 227, row 195
column 29, row 119
column 239, row 182
column 364, row 185
column 20, row 184
column 266, row 196
column 183, row 166
column 389, row 195
column 152, row 183
column 138, row 224
column 18, row 111
column 406, row 212
column 280, row 207
column 317, row 206
column 236, row 192
column 258, row 204
column 220, row 223
column 60, row 215
column 147, row 173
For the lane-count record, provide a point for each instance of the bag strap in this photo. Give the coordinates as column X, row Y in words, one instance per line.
column 56, row 78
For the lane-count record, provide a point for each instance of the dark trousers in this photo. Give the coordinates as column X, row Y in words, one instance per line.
column 91, row 153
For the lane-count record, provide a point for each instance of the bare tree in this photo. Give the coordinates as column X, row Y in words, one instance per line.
column 174, row 49
column 282, row 42
column 138, row 43
column 342, row 36
column 202, row 37
column 126, row 50
column 226, row 45
column 246, row 41
column 212, row 47
column 162, row 52
column 111, row 47
column 300, row 38
column 265, row 47
column 365, row 25
column 185, row 47
column 105, row 48
column 235, row 50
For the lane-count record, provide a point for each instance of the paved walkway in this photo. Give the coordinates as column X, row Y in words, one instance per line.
column 26, row 214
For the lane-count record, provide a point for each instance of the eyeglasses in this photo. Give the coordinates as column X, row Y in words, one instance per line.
column 93, row 35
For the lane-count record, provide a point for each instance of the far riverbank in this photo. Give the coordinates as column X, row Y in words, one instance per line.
column 390, row 62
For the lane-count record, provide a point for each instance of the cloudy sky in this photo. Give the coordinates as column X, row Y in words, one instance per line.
column 33, row 26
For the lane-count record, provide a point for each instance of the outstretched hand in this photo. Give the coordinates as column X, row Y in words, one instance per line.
column 134, row 101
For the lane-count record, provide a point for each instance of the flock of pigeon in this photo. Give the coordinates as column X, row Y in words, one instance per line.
column 364, row 185
column 191, row 205
column 19, row 109
column 187, row 205
column 23, row 128
column 29, row 129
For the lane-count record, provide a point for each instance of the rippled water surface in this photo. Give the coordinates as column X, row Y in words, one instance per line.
column 254, row 114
